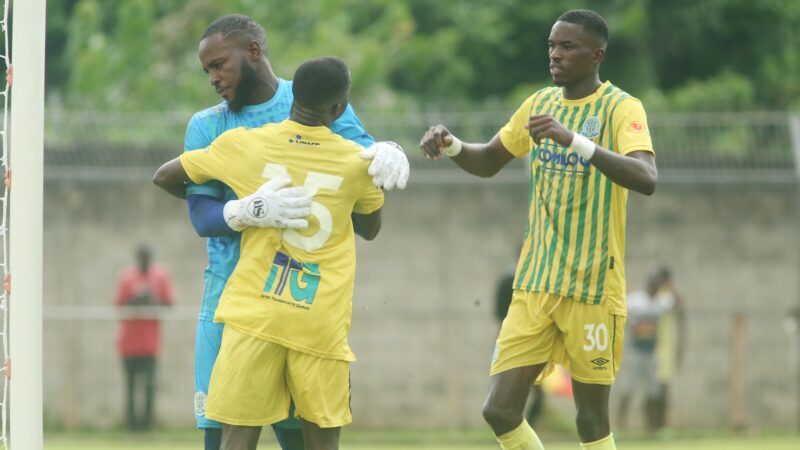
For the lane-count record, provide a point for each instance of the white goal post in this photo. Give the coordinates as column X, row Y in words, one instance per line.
column 25, row 226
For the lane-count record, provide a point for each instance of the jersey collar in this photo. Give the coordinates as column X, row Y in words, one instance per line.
column 282, row 86
column 582, row 101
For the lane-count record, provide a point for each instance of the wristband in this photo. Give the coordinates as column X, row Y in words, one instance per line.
column 582, row 146
column 454, row 148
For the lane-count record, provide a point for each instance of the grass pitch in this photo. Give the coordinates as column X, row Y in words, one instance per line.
column 411, row 440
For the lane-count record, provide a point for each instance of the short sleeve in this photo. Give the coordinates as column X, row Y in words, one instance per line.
column 212, row 162
column 196, row 138
column 514, row 135
column 630, row 126
column 370, row 201
column 349, row 127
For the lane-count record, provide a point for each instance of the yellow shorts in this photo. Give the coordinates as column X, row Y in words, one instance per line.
column 546, row 328
column 254, row 380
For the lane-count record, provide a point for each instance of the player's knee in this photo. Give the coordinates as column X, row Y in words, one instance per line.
column 498, row 416
column 592, row 424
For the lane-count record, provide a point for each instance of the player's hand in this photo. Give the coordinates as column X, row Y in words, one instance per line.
column 436, row 139
column 389, row 167
column 273, row 205
column 545, row 126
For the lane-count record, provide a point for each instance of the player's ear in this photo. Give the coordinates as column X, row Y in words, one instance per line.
column 253, row 51
column 599, row 55
column 338, row 109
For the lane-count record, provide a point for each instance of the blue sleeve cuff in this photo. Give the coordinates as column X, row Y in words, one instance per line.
column 206, row 215
column 210, row 189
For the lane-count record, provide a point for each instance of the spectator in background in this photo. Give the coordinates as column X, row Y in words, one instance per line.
column 655, row 327
column 139, row 289
column 502, row 300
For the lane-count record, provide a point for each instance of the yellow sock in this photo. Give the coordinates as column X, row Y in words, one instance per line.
column 521, row 438
column 607, row 443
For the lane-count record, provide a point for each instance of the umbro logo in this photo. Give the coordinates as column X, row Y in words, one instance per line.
column 599, row 362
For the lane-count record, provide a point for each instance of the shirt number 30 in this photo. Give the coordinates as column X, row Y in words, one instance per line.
column 596, row 337
column 314, row 182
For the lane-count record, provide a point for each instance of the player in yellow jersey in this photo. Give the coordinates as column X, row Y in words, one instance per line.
column 288, row 304
column 589, row 145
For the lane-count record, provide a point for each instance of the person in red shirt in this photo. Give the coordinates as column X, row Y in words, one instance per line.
column 139, row 290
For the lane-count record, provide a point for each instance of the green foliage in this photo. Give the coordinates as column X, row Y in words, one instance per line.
column 727, row 91
column 141, row 54
column 757, row 41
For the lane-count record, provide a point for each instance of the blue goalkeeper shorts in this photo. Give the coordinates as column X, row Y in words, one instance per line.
column 206, row 348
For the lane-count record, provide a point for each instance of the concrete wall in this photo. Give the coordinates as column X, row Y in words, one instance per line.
column 422, row 328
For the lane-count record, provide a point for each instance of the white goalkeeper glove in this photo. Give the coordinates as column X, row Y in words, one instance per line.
column 273, row 205
column 389, row 167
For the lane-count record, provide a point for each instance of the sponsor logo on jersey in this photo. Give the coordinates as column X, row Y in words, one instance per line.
column 302, row 278
column 636, row 127
column 590, row 127
column 299, row 140
column 564, row 159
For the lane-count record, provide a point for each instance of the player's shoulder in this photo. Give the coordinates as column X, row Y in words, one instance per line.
column 344, row 144
column 210, row 114
column 232, row 137
column 545, row 93
column 347, row 151
column 263, row 131
column 619, row 96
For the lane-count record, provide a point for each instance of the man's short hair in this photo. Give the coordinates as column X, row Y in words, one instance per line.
column 320, row 82
column 589, row 20
column 237, row 26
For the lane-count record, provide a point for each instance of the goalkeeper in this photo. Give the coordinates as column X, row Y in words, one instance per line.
column 233, row 52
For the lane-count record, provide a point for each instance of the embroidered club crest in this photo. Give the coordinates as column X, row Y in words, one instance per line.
column 590, row 127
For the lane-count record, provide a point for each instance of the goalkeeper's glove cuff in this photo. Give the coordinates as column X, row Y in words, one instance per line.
column 233, row 212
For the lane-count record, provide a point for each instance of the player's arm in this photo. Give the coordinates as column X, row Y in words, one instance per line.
column 389, row 167
column 285, row 207
column 206, row 215
column 483, row 160
column 172, row 178
column 205, row 211
column 206, row 201
column 367, row 225
column 635, row 171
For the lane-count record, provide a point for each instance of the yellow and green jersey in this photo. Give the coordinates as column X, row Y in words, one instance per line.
column 293, row 287
column 575, row 239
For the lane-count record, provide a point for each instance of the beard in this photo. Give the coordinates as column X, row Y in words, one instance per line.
column 244, row 90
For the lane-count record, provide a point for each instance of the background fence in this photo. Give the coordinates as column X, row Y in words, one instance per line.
column 724, row 218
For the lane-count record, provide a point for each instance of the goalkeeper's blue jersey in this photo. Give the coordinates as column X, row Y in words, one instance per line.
column 207, row 125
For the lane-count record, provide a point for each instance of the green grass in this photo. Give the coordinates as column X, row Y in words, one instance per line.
column 408, row 440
